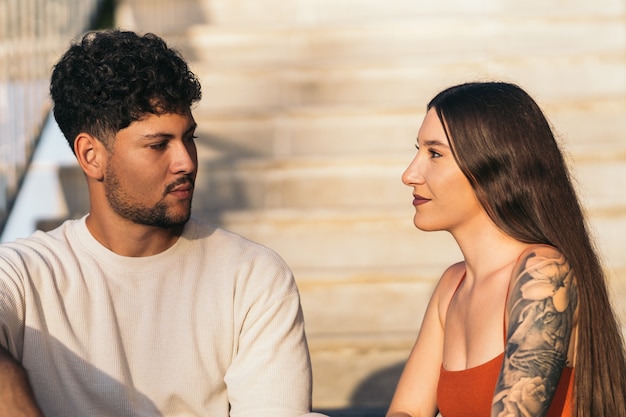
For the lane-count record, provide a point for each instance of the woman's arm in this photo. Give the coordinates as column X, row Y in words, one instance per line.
column 540, row 313
column 416, row 393
column 16, row 394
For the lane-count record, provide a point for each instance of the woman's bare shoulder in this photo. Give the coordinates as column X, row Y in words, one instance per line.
column 540, row 250
column 451, row 277
column 543, row 272
column 539, row 257
column 447, row 285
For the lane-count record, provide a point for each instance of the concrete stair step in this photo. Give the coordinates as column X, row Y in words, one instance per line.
column 423, row 40
column 316, row 11
column 354, row 307
column 171, row 18
column 407, row 85
column 609, row 231
column 590, row 129
column 346, row 240
column 601, row 185
column 303, row 183
column 327, row 131
column 357, row 372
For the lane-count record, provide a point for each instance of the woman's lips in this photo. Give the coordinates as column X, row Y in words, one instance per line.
column 418, row 200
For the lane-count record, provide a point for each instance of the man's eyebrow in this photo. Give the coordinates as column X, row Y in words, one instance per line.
column 165, row 135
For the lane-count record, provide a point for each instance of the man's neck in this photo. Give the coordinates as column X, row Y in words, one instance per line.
column 126, row 238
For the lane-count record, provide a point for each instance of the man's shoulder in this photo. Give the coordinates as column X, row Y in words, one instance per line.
column 43, row 240
column 38, row 254
column 227, row 246
column 208, row 233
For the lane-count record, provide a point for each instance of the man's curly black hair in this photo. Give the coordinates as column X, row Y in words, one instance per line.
column 110, row 78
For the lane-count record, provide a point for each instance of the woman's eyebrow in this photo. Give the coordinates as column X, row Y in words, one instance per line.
column 434, row 142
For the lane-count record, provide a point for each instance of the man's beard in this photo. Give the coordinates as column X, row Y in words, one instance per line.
column 156, row 215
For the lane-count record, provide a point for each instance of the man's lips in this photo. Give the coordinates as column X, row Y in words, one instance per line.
column 186, row 187
column 418, row 200
column 181, row 189
column 182, row 193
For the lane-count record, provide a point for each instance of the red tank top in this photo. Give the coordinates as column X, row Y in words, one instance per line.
column 469, row 392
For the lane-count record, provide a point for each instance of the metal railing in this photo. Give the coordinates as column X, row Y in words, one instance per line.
column 32, row 35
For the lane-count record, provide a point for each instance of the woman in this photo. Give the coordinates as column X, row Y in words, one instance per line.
column 523, row 326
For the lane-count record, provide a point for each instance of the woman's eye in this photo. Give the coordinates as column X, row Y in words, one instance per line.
column 434, row 154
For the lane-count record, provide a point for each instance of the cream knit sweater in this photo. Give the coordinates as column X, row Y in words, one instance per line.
column 210, row 327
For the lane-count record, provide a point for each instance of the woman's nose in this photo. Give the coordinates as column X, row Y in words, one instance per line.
column 412, row 174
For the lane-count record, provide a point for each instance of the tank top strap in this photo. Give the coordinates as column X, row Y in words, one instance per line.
column 504, row 318
column 457, row 288
column 459, row 284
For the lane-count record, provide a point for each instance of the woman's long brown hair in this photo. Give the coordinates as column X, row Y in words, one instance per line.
column 504, row 145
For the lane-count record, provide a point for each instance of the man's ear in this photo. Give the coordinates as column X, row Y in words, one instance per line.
column 91, row 155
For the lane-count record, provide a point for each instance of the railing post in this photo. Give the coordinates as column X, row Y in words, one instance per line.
column 32, row 34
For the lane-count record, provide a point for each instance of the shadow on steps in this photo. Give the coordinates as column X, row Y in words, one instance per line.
column 355, row 412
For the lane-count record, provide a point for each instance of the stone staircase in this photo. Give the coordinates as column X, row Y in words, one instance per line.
column 309, row 116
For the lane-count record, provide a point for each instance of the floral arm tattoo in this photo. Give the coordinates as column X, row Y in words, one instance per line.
column 540, row 310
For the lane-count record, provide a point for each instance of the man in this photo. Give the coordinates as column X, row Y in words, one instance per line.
column 138, row 309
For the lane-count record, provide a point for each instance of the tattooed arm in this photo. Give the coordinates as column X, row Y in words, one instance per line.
column 540, row 311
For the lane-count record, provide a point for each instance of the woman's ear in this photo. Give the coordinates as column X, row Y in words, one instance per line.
column 91, row 155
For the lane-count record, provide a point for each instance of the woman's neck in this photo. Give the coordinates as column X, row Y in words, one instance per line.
column 487, row 249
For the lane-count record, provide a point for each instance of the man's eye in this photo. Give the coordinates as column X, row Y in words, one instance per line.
column 159, row 146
